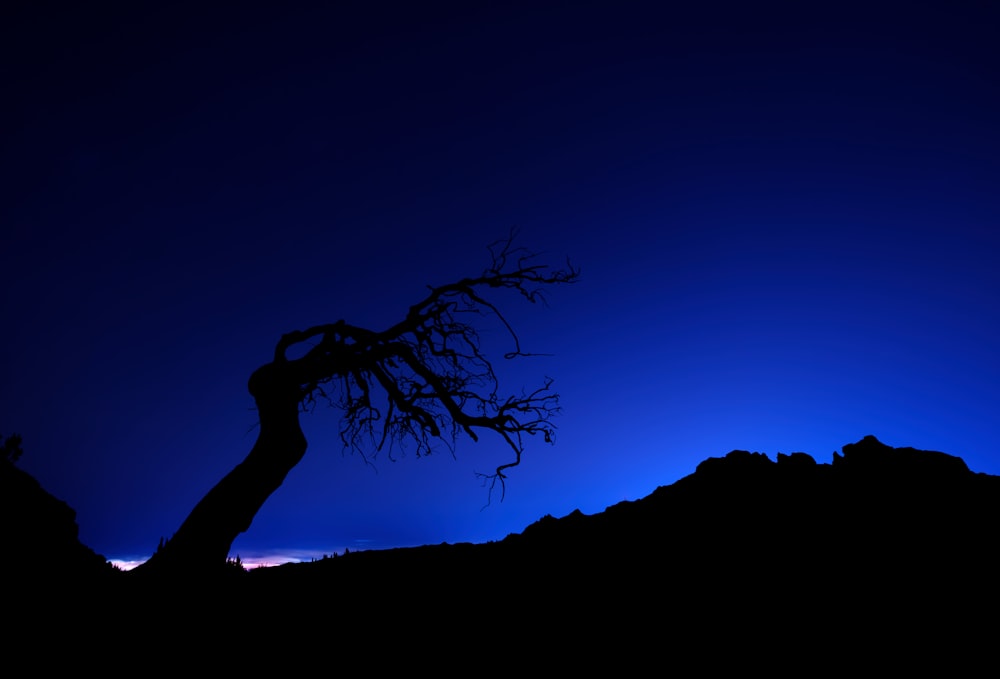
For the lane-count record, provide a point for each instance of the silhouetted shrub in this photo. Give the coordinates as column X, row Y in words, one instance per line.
column 10, row 449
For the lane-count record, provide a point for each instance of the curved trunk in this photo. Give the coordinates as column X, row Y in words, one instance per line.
column 203, row 541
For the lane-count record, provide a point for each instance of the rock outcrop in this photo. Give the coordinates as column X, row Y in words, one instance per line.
column 38, row 532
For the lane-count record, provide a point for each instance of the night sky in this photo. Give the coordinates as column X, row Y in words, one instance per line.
column 786, row 218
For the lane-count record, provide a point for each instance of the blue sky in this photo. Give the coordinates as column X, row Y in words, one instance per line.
column 785, row 217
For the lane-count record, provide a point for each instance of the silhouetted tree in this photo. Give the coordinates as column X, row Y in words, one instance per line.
column 426, row 378
column 10, row 448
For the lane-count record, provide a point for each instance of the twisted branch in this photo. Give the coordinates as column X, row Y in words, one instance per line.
column 434, row 379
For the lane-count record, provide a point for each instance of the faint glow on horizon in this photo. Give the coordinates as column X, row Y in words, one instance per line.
column 255, row 559
column 278, row 557
column 126, row 564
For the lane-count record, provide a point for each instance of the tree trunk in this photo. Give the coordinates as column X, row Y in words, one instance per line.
column 203, row 541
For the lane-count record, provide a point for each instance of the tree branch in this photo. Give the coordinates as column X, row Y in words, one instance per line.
column 430, row 368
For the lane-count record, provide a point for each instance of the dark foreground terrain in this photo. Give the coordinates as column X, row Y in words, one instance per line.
column 888, row 553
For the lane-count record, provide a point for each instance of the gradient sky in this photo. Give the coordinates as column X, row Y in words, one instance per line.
column 786, row 216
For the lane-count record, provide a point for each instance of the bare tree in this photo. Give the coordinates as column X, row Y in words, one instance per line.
column 425, row 379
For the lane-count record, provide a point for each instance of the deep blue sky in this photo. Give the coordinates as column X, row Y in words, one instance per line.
column 786, row 217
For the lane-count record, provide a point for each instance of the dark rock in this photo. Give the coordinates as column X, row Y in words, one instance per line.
column 872, row 457
column 797, row 460
column 39, row 533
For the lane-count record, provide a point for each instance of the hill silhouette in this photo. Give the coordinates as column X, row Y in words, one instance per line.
column 879, row 539
column 38, row 531
column 899, row 506
column 873, row 508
